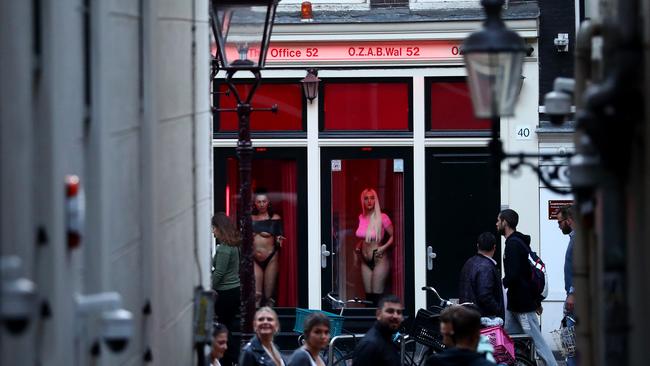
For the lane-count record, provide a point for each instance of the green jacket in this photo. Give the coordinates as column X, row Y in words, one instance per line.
column 225, row 272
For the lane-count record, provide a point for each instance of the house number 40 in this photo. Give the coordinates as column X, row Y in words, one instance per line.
column 523, row 133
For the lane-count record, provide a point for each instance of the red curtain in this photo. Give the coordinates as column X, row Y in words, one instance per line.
column 288, row 266
column 283, row 191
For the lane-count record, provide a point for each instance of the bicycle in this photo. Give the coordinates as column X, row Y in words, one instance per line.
column 425, row 330
column 341, row 347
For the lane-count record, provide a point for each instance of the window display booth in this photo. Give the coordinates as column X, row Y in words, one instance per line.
column 381, row 184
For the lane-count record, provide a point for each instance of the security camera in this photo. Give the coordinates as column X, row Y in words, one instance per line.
column 117, row 329
column 558, row 102
column 18, row 299
column 116, row 323
column 561, row 42
column 557, row 106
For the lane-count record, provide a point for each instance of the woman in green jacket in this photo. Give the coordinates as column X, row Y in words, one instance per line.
column 225, row 277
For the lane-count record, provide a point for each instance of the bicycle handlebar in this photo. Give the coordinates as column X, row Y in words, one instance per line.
column 338, row 301
column 443, row 302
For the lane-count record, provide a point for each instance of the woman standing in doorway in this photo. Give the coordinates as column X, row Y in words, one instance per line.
column 225, row 277
column 372, row 250
column 267, row 241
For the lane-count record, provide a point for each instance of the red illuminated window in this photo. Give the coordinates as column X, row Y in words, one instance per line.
column 288, row 97
column 277, row 180
column 366, row 106
column 450, row 107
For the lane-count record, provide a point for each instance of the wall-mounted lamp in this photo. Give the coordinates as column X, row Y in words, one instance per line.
column 310, row 84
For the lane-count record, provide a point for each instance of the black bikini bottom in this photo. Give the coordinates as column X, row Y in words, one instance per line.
column 371, row 263
column 266, row 262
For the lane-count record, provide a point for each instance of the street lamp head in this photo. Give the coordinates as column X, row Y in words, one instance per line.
column 310, row 84
column 494, row 58
column 242, row 30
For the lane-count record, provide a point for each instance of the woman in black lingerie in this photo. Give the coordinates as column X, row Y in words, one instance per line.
column 267, row 241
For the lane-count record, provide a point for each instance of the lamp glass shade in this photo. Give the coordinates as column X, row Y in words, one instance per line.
column 494, row 80
column 310, row 86
column 243, row 30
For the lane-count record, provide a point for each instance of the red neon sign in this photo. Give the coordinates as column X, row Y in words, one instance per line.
column 423, row 50
column 363, row 51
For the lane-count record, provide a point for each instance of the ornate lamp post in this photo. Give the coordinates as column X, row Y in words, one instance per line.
column 494, row 57
column 242, row 29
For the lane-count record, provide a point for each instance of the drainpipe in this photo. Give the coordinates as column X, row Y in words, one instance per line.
column 583, row 166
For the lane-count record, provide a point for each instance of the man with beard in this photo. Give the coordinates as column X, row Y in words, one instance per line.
column 524, row 302
column 376, row 348
column 565, row 222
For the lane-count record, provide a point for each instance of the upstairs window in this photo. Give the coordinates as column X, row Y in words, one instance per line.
column 449, row 109
column 360, row 107
column 290, row 116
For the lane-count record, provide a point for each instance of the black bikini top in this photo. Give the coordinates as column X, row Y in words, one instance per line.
column 273, row 227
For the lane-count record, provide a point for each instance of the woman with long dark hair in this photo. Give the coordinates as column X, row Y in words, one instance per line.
column 268, row 235
column 225, row 276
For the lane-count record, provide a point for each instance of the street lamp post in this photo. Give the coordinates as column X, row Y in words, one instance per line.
column 242, row 29
column 494, row 58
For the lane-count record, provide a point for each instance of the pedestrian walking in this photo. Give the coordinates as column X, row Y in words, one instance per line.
column 316, row 331
column 225, row 278
column 566, row 224
column 260, row 350
column 376, row 348
column 460, row 327
column 480, row 280
column 219, row 343
column 523, row 299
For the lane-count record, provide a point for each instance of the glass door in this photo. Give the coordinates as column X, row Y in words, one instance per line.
column 367, row 218
column 279, row 187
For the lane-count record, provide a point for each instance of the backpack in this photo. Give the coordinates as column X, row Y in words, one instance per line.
column 539, row 278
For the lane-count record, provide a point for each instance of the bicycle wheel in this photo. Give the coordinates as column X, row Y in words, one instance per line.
column 338, row 355
column 344, row 360
column 410, row 353
column 521, row 360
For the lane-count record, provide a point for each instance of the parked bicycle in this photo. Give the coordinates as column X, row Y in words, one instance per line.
column 424, row 330
column 343, row 342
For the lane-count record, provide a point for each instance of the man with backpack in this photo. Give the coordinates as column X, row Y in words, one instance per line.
column 524, row 295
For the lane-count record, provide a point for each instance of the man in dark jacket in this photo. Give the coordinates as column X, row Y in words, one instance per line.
column 566, row 224
column 463, row 325
column 480, row 280
column 523, row 300
column 377, row 348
